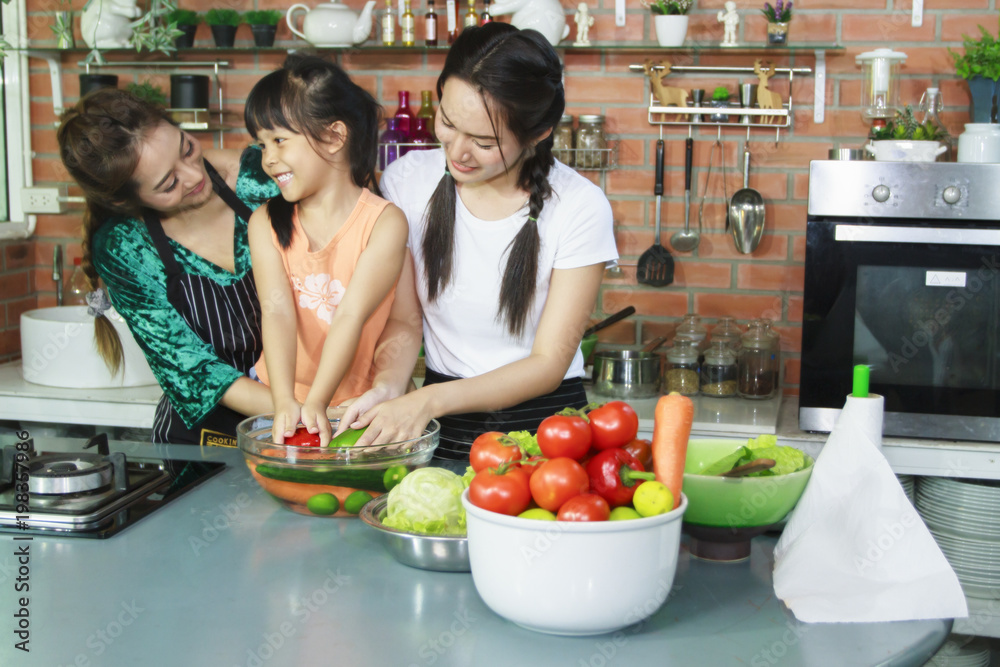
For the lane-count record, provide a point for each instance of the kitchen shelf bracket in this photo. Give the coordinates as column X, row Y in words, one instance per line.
column 819, row 87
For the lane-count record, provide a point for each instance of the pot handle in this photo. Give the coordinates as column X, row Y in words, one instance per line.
column 870, row 148
column 941, row 149
column 290, row 20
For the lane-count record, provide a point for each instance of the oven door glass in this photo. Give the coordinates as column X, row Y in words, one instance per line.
column 919, row 304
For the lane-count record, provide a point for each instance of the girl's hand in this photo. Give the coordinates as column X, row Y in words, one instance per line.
column 358, row 407
column 315, row 420
column 400, row 419
column 286, row 420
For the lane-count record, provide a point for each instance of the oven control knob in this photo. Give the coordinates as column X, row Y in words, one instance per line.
column 881, row 193
column 951, row 194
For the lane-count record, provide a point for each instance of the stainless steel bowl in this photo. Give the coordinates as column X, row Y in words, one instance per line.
column 443, row 553
column 847, row 154
column 627, row 373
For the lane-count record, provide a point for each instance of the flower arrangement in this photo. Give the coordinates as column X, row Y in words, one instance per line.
column 906, row 128
column 669, row 7
column 779, row 13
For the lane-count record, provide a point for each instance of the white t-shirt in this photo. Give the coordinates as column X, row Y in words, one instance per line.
column 462, row 335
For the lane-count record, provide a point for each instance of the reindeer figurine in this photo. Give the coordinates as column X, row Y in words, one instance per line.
column 668, row 96
column 766, row 99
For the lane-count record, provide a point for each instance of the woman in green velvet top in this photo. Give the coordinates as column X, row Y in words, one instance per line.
column 166, row 230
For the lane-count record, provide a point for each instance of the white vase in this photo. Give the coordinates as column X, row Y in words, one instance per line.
column 670, row 29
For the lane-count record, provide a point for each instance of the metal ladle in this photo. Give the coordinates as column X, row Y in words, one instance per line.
column 686, row 240
column 746, row 211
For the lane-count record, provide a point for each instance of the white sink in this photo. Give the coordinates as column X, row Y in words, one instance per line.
column 58, row 350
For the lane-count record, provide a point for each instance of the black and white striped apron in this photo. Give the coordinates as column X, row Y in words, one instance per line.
column 227, row 317
column 458, row 431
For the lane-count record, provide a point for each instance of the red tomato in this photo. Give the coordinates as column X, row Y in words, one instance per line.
column 530, row 465
column 491, row 449
column 556, row 481
column 303, row 438
column 503, row 490
column 641, row 450
column 585, row 507
column 614, row 424
column 564, row 435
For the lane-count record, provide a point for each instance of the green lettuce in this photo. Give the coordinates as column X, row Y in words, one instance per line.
column 786, row 459
column 527, row 442
column 428, row 501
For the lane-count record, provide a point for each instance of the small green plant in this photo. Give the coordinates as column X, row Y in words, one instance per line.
column 779, row 13
column 184, row 17
column 148, row 92
column 223, row 17
column 669, row 7
column 906, row 128
column 720, row 94
column 981, row 57
column 154, row 31
column 263, row 17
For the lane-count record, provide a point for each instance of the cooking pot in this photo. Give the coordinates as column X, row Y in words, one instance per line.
column 627, row 373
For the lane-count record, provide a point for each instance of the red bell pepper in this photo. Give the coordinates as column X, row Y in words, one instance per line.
column 613, row 475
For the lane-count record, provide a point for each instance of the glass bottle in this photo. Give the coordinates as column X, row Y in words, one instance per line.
column 430, row 25
column 728, row 331
column 388, row 25
column 426, row 110
column 590, row 142
column 451, row 9
column 757, row 364
column 471, row 17
column 420, row 135
column 775, row 339
column 388, row 143
column 930, row 106
column 75, row 290
column 404, row 113
column 485, row 17
column 408, row 24
column 682, row 368
column 562, row 142
column 719, row 371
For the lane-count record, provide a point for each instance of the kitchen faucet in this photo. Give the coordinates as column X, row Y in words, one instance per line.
column 57, row 271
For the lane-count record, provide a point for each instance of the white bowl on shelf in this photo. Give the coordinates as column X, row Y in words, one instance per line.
column 893, row 150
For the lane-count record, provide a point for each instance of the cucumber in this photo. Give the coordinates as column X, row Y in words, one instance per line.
column 353, row 478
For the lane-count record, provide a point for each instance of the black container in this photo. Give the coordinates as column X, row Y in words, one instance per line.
column 263, row 35
column 189, row 91
column 91, row 82
column 186, row 40
column 224, row 35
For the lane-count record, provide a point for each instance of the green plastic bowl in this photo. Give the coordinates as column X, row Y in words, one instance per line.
column 737, row 502
column 587, row 346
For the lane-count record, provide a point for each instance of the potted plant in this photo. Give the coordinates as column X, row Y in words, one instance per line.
column 720, row 99
column 149, row 92
column 778, row 18
column 223, row 23
column 980, row 66
column 264, row 24
column 187, row 23
column 906, row 140
column 62, row 26
column 670, row 20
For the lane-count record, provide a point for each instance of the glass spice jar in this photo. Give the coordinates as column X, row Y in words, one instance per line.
column 719, row 371
column 590, row 142
column 682, row 368
column 693, row 330
column 562, row 141
column 757, row 363
column 727, row 331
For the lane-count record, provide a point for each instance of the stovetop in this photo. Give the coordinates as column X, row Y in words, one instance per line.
column 84, row 494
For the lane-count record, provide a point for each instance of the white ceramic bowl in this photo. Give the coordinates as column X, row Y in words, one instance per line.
column 566, row 578
column 893, row 150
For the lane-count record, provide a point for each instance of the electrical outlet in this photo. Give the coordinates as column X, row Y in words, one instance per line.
column 43, row 200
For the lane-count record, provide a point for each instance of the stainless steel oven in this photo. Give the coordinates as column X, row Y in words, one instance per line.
column 903, row 274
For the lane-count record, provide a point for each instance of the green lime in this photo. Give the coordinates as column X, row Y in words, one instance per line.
column 356, row 501
column 624, row 513
column 537, row 513
column 348, row 438
column 393, row 476
column 323, row 504
column 652, row 498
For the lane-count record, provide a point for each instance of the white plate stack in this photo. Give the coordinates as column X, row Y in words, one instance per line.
column 907, row 482
column 962, row 651
column 962, row 516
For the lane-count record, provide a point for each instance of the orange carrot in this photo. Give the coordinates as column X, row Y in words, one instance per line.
column 671, row 429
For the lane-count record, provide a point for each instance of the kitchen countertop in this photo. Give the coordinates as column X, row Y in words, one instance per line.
column 225, row 576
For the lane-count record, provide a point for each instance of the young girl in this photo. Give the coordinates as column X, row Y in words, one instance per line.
column 326, row 231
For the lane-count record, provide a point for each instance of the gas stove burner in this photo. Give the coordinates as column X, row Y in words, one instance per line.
column 57, row 474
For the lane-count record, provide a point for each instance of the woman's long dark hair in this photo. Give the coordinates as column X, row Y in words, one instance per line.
column 306, row 96
column 519, row 78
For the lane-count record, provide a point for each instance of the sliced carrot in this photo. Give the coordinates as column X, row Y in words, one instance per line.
column 297, row 494
column 671, row 429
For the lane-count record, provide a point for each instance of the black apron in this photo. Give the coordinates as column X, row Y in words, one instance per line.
column 226, row 317
column 458, row 431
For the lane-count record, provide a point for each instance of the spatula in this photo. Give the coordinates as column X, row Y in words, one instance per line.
column 656, row 266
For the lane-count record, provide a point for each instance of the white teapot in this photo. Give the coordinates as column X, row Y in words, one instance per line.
column 332, row 24
column 545, row 16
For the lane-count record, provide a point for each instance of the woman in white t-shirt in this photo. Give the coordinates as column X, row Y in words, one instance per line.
column 509, row 248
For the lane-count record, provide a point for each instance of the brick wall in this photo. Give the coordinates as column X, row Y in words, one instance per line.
column 714, row 281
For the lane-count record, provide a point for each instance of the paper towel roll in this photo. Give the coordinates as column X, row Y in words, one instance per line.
column 864, row 416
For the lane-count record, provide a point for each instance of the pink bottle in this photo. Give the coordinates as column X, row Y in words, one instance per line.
column 404, row 113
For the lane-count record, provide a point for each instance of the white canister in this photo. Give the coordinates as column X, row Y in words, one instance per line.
column 979, row 143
